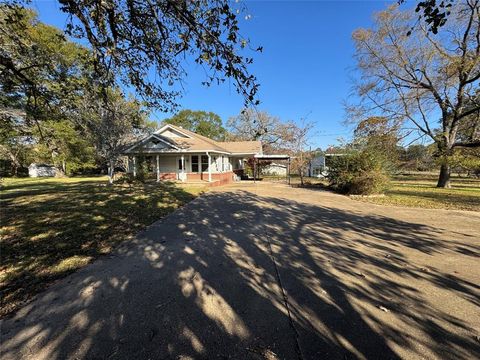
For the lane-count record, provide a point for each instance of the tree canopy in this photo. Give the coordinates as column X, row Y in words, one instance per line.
column 144, row 44
column 46, row 79
column 204, row 123
column 40, row 70
column 251, row 124
column 51, row 108
column 419, row 78
column 377, row 133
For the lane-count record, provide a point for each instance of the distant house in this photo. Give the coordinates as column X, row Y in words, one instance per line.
column 42, row 170
column 174, row 153
column 275, row 169
column 316, row 166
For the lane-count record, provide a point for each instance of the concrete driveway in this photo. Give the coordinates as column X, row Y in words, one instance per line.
column 263, row 271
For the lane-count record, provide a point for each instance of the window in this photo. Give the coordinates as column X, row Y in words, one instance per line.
column 204, row 163
column 194, row 163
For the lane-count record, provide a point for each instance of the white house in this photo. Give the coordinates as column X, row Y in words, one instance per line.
column 275, row 169
column 174, row 153
column 316, row 166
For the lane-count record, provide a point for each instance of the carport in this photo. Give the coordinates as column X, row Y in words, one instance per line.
column 258, row 158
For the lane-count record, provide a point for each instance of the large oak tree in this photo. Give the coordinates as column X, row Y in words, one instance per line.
column 145, row 44
column 415, row 77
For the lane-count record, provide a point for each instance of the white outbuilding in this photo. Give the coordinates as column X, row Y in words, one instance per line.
column 42, row 170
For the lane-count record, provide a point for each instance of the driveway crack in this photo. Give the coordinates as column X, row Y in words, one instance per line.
column 298, row 348
column 287, row 305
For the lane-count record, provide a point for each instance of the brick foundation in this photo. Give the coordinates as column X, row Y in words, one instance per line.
column 222, row 178
column 168, row 176
column 217, row 179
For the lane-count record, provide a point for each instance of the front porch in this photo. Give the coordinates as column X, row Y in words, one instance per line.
column 187, row 167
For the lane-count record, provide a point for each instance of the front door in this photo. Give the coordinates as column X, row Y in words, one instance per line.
column 180, row 168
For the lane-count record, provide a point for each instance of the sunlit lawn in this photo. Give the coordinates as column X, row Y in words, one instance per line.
column 413, row 190
column 418, row 190
column 50, row 227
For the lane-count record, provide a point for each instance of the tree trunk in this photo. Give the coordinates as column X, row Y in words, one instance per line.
column 111, row 170
column 444, row 178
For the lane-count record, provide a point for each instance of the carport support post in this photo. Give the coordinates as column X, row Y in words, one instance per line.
column 254, row 169
column 158, row 168
column 288, row 171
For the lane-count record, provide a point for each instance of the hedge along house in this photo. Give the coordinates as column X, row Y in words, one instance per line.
column 174, row 153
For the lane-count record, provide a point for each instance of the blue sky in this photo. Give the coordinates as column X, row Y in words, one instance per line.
column 304, row 69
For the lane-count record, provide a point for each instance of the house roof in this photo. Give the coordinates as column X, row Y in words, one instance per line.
column 177, row 139
column 242, row 146
column 194, row 142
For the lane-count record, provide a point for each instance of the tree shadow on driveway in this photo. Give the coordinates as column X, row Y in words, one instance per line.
column 235, row 275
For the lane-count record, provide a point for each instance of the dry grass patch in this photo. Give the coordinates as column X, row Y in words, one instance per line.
column 419, row 190
column 51, row 227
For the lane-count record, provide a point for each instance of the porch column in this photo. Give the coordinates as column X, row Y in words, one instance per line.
column 288, row 167
column 134, row 166
column 209, row 168
column 158, row 168
column 184, row 176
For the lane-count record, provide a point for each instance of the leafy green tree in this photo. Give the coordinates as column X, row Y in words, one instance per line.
column 112, row 123
column 41, row 72
column 358, row 172
column 59, row 109
column 67, row 148
column 363, row 166
column 139, row 42
column 418, row 157
column 204, row 123
column 14, row 139
column 42, row 76
column 466, row 161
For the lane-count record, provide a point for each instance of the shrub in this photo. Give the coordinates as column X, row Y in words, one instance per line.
column 360, row 173
column 142, row 168
column 476, row 172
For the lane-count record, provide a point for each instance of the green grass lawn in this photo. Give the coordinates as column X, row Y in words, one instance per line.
column 53, row 226
column 418, row 190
